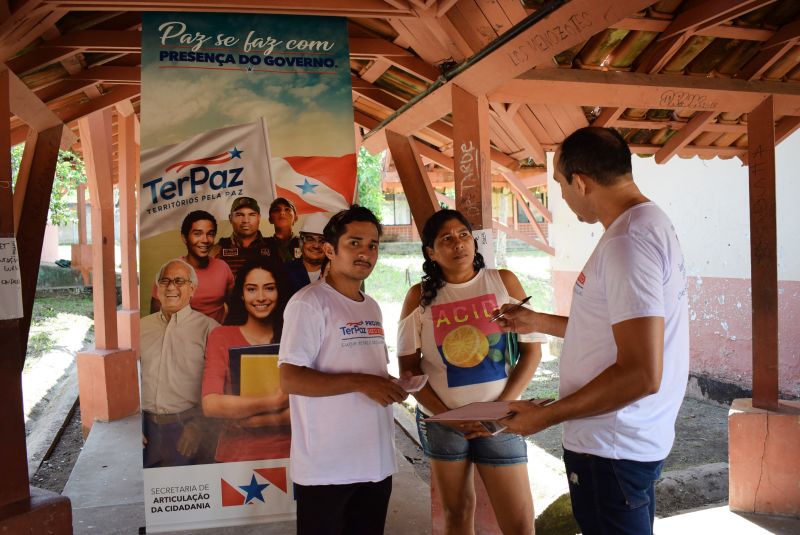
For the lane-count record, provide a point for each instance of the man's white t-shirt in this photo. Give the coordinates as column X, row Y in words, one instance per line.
column 347, row 438
column 636, row 270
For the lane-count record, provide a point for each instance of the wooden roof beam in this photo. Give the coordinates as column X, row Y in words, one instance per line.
column 635, row 90
column 569, row 24
column 26, row 105
column 76, row 111
column 721, row 30
column 785, row 127
column 709, row 13
column 340, row 8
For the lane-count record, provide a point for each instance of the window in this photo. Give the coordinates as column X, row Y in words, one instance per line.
column 522, row 217
column 395, row 209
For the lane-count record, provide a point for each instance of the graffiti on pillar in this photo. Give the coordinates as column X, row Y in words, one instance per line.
column 468, row 200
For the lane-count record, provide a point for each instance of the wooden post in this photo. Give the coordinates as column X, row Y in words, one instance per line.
column 128, row 160
column 95, row 131
column 107, row 376
column 471, row 158
column 81, row 193
column 413, row 177
column 22, row 509
column 763, row 254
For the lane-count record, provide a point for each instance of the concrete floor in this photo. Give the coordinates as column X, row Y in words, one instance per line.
column 106, row 489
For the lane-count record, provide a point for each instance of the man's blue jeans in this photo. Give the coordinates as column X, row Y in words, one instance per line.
column 611, row 496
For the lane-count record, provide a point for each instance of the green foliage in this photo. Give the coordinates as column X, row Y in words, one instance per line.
column 370, row 194
column 70, row 173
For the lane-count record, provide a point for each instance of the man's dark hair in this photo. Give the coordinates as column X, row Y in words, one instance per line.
column 600, row 153
column 197, row 215
column 337, row 226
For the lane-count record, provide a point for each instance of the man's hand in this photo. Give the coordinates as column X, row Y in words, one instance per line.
column 189, row 442
column 381, row 390
column 517, row 319
column 527, row 418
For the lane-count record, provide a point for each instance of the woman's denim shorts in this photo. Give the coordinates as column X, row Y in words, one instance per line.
column 443, row 443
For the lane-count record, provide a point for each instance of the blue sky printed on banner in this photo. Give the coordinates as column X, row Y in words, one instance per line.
column 178, row 103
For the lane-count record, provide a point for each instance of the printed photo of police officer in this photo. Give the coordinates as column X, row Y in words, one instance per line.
column 246, row 241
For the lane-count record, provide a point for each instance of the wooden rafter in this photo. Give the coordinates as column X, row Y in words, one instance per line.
column 685, row 136
column 634, row 90
column 709, row 13
column 771, row 51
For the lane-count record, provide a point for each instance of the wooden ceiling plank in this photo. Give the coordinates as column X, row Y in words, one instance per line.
column 709, row 13
column 578, row 18
column 451, row 41
column 787, row 33
column 535, row 125
column 542, row 113
column 520, row 132
column 500, row 137
column 416, row 66
column 513, row 10
column 691, row 150
column 685, row 136
column 499, row 21
column 28, row 34
column 62, row 89
column 635, row 90
column 444, row 7
column 476, row 28
column 434, row 155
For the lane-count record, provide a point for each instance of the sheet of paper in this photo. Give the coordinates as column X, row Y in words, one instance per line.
column 413, row 384
column 10, row 283
column 484, row 410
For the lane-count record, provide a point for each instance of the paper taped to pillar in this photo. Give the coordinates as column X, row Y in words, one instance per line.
column 236, row 111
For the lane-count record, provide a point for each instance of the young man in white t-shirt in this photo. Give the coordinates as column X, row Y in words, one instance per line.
column 333, row 361
column 625, row 359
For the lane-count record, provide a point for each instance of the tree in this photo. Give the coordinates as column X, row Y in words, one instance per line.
column 370, row 194
column 70, row 173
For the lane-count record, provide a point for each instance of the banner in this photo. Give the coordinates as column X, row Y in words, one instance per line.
column 246, row 136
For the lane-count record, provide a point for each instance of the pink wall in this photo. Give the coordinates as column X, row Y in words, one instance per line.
column 720, row 328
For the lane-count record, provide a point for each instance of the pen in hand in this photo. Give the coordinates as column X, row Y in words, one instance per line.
column 516, row 306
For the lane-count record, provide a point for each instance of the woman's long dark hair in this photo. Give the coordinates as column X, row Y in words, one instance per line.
column 237, row 313
column 433, row 279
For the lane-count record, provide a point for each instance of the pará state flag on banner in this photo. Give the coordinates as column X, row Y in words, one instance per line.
column 316, row 183
column 206, row 172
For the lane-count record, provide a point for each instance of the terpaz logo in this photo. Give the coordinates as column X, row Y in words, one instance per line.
column 198, row 175
column 246, row 493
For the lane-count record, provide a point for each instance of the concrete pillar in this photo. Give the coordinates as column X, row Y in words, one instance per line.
column 107, row 376
column 764, row 469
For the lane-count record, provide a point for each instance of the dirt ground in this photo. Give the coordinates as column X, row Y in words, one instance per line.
column 55, row 470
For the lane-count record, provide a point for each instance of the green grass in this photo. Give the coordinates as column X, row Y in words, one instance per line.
column 45, row 319
column 389, row 283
